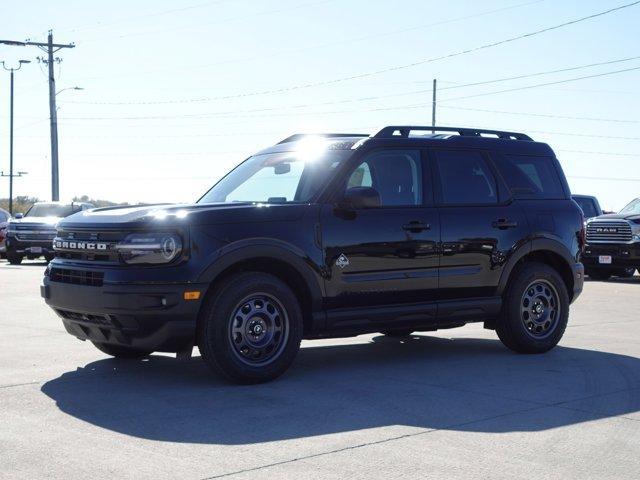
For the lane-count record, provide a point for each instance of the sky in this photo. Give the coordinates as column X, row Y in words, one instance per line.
column 176, row 93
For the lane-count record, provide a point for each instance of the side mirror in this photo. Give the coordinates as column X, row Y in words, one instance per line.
column 18, row 216
column 361, row 197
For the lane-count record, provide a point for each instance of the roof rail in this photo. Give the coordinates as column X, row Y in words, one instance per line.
column 405, row 131
column 300, row 136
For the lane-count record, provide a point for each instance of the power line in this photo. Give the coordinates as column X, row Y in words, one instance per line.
column 234, row 113
column 378, row 97
column 543, row 115
column 575, row 79
column 425, row 61
column 603, row 153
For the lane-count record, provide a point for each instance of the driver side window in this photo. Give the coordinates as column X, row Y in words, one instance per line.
column 396, row 175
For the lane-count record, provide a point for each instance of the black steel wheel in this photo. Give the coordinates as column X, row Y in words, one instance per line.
column 535, row 309
column 540, row 308
column 250, row 327
column 258, row 329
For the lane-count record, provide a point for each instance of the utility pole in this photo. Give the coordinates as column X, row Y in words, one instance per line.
column 11, row 175
column 50, row 48
column 433, row 107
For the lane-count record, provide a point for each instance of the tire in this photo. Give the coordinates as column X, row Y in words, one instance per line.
column 527, row 322
column 397, row 333
column 599, row 274
column 14, row 259
column 626, row 272
column 250, row 329
column 119, row 351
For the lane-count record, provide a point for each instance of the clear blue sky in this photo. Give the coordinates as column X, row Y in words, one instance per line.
column 170, row 63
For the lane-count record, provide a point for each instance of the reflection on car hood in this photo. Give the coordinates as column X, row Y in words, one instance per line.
column 35, row 221
column 157, row 216
column 617, row 216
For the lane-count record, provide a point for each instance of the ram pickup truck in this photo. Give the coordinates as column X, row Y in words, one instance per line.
column 613, row 243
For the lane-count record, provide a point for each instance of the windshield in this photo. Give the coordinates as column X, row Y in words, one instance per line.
column 284, row 177
column 52, row 210
column 588, row 206
column 633, row 208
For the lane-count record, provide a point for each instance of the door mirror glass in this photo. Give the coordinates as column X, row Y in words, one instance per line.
column 361, row 197
column 19, row 215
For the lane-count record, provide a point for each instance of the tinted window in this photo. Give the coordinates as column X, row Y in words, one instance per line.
column 51, row 210
column 588, row 206
column 465, row 178
column 395, row 174
column 531, row 177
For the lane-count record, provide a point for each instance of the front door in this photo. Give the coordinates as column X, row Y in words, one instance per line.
column 386, row 255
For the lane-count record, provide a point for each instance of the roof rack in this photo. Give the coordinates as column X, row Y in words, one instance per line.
column 405, row 131
column 300, row 136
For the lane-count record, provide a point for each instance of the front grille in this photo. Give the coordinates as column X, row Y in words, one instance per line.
column 77, row 236
column 43, row 237
column 609, row 231
column 76, row 277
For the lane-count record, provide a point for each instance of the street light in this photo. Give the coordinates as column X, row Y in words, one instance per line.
column 11, row 175
column 68, row 88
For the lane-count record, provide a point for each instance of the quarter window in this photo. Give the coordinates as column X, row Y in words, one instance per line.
column 465, row 178
column 531, row 177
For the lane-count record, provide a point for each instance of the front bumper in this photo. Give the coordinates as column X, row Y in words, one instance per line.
column 148, row 317
column 24, row 247
column 622, row 255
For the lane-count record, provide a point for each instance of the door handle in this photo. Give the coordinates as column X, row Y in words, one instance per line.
column 416, row 226
column 504, row 223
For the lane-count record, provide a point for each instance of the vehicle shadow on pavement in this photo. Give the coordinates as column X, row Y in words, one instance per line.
column 426, row 382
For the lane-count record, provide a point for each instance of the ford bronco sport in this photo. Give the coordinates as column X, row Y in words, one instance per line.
column 410, row 229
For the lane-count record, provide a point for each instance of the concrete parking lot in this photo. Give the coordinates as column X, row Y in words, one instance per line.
column 454, row 404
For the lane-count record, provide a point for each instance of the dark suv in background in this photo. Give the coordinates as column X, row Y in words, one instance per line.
column 410, row 229
column 589, row 205
column 613, row 243
column 31, row 235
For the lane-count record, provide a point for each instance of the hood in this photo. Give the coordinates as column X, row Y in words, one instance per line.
column 632, row 217
column 163, row 215
column 35, row 221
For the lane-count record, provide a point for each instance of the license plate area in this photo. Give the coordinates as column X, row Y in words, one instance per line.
column 605, row 259
column 35, row 249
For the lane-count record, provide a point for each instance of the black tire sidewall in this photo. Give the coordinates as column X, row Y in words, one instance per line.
column 511, row 328
column 213, row 331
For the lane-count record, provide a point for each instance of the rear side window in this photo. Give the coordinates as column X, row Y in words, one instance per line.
column 465, row 178
column 531, row 177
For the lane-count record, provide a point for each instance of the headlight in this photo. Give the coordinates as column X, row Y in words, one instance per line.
column 150, row 248
column 635, row 232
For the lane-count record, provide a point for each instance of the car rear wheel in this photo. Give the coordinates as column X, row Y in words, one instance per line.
column 250, row 328
column 14, row 259
column 535, row 309
column 626, row 272
column 599, row 274
column 120, row 351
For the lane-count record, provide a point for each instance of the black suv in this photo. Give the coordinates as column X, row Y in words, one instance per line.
column 613, row 243
column 411, row 229
column 31, row 235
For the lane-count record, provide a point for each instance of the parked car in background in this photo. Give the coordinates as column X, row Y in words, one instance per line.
column 31, row 235
column 613, row 243
column 411, row 229
column 589, row 205
column 4, row 223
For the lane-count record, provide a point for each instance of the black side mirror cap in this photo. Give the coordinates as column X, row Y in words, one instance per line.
column 361, row 197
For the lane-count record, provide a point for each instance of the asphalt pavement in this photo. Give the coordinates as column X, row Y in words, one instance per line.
column 451, row 404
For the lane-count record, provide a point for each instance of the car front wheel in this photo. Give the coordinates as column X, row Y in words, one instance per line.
column 14, row 259
column 535, row 309
column 250, row 328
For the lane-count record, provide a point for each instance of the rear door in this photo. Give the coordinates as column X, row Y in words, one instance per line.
column 386, row 255
column 480, row 226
